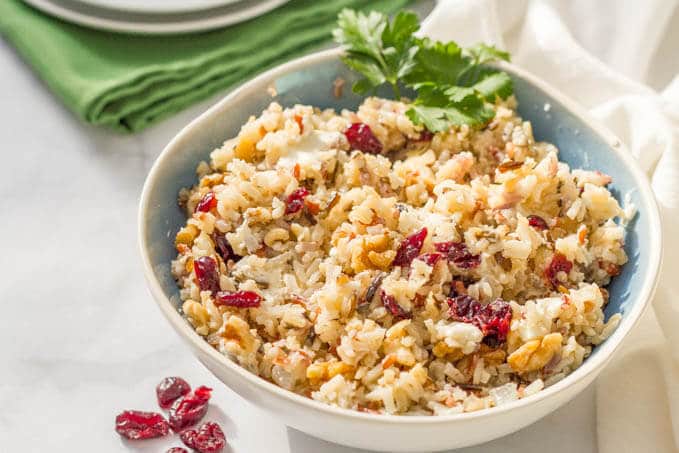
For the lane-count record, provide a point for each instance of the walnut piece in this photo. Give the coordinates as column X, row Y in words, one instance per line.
column 535, row 354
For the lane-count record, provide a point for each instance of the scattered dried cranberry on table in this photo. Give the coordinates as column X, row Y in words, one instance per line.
column 208, row 438
column 139, row 425
column 169, row 389
column 190, row 409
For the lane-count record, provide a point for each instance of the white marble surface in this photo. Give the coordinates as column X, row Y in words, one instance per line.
column 80, row 337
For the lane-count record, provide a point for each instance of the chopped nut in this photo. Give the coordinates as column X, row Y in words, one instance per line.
column 372, row 252
column 382, row 260
column 211, row 180
column 189, row 265
column 535, row 354
column 197, row 316
column 274, row 235
column 323, row 371
column 237, row 335
column 494, row 357
column 186, row 235
column 335, row 368
column 442, row 350
column 317, row 371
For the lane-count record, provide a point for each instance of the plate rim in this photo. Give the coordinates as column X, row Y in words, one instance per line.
column 139, row 9
column 211, row 21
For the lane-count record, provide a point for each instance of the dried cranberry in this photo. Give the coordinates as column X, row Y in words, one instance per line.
column 209, row 438
column 558, row 264
column 207, row 274
column 493, row 319
column 458, row 254
column 409, row 248
column 537, row 222
column 295, row 201
column 394, row 308
column 240, row 299
column 189, row 409
column 209, row 201
column 177, row 450
column 224, row 248
column 361, row 137
column 137, row 425
column 464, row 308
column 430, row 258
column 170, row 389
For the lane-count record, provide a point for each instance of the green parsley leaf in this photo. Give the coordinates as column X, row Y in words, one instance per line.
column 362, row 34
column 483, row 53
column 380, row 51
column 454, row 86
column 495, row 84
column 438, row 63
column 438, row 109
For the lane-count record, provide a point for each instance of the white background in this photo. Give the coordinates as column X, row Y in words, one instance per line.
column 80, row 337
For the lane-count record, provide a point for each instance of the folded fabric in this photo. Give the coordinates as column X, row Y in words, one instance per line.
column 127, row 82
column 637, row 404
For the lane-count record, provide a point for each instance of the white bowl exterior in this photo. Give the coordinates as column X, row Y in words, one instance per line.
column 381, row 435
column 385, row 432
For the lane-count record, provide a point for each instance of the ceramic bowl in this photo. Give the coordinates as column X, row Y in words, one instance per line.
column 309, row 80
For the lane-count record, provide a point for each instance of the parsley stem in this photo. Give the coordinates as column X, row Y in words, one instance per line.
column 397, row 90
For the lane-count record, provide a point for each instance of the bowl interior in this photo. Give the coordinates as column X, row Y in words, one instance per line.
column 579, row 145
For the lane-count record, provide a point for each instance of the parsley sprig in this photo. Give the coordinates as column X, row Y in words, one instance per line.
column 454, row 86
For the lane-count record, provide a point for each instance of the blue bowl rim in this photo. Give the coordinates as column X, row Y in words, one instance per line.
column 591, row 365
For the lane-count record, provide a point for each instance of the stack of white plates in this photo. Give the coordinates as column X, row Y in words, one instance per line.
column 156, row 16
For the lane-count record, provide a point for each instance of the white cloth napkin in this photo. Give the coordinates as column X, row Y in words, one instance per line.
column 602, row 53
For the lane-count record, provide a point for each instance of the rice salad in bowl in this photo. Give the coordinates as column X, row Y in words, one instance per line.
column 362, row 261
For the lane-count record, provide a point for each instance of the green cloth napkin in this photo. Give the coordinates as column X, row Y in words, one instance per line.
column 128, row 82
